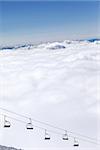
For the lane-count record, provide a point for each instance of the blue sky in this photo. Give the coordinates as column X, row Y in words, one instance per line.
column 48, row 21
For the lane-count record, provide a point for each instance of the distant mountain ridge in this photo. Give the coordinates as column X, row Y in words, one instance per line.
column 48, row 45
column 93, row 40
column 15, row 47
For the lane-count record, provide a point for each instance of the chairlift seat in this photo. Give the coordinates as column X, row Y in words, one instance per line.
column 7, row 124
column 65, row 138
column 47, row 138
column 76, row 144
column 30, row 128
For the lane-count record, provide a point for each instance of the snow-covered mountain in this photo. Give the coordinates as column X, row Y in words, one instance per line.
column 54, row 82
column 50, row 45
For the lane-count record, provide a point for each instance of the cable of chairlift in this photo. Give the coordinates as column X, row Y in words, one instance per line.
column 50, row 125
column 51, row 131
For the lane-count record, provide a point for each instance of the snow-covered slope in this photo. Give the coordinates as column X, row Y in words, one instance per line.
column 57, row 83
column 7, row 148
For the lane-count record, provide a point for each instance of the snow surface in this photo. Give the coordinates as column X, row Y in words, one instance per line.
column 7, row 148
column 58, row 83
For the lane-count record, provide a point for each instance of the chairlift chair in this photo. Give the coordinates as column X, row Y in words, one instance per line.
column 29, row 125
column 65, row 136
column 47, row 136
column 7, row 124
column 75, row 143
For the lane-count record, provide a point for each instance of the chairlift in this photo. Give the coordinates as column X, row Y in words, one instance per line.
column 29, row 125
column 76, row 142
column 47, row 136
column 7, row 124
column 65, row 136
